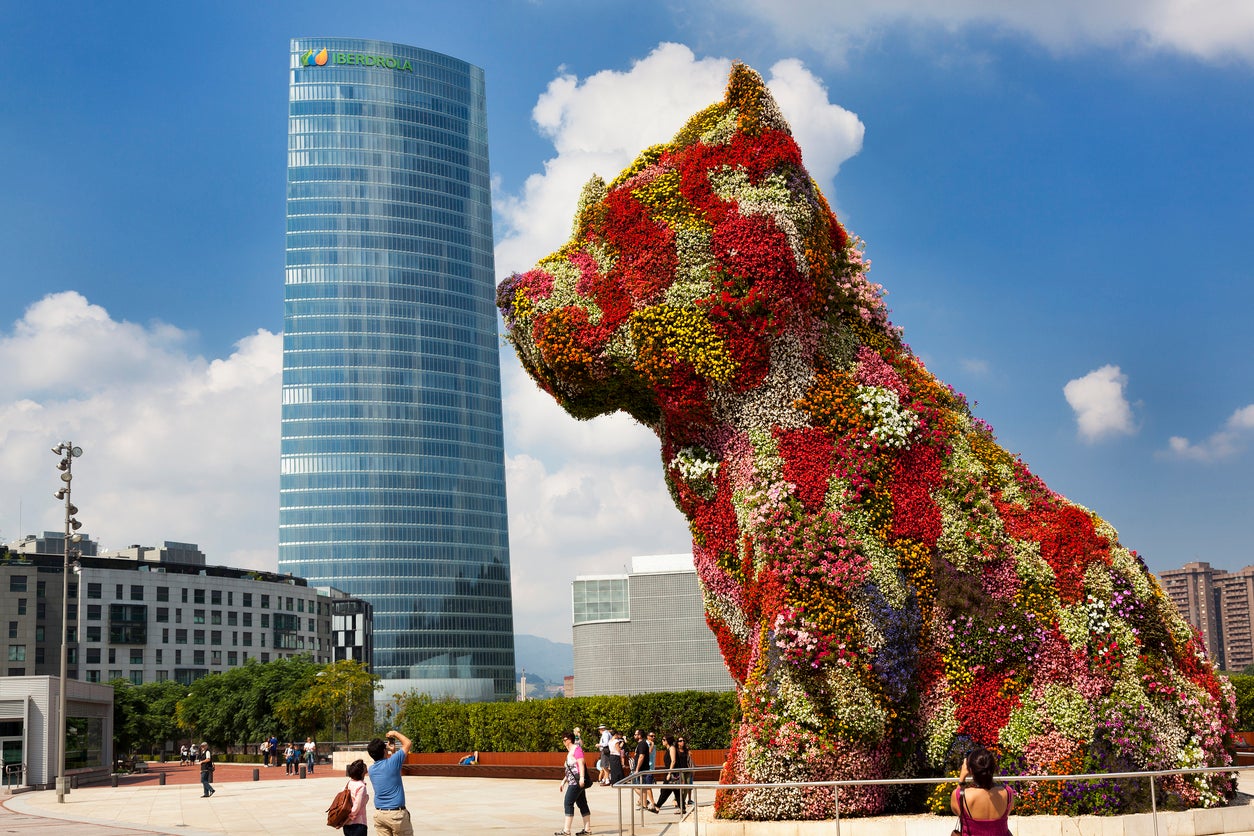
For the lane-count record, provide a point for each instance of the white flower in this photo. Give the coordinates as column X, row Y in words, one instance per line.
column 893, row 423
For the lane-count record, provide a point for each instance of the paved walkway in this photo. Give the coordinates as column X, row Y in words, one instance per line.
column 243, row 807
column 280, row 805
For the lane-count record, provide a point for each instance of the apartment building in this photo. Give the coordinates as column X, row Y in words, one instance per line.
column 148, row 614
column 1220, row 604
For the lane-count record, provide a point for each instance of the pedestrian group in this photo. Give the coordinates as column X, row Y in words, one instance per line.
column 670, row 761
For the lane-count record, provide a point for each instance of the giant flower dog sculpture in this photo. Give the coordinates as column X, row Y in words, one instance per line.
column 888, row 586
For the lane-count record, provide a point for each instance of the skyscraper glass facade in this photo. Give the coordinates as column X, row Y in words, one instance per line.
column 392, row 483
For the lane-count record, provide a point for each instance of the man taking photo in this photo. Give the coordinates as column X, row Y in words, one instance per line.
column 390, row 815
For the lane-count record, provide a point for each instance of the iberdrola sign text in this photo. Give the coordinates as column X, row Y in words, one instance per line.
column 319, row 59
column 374, row 61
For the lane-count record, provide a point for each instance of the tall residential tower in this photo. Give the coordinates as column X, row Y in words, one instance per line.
column 392, row 482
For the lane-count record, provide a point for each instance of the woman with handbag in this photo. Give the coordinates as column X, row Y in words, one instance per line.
column 982, row 809
column 575, row 782
column 356, row 824
column 668, row 754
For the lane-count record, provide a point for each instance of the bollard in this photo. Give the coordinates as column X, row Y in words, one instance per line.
column 114, row 779
column 302, row 771
column 256, row 774
column 73, row 782
column 161, row 779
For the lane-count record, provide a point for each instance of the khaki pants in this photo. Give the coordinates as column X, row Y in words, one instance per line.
column 393, row 822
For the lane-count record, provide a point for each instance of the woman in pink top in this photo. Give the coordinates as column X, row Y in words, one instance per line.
column 982, row 809
column 356, row 824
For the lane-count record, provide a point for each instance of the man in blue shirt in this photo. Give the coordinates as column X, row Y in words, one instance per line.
column 390, row 815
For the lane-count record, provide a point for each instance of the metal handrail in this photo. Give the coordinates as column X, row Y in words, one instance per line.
column 630, row 783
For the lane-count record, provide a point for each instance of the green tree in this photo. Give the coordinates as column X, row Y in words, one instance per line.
column 340, row 695
column 144, row 715
column 249, row 703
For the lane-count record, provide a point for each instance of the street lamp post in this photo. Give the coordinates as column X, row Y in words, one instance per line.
column 68, row 453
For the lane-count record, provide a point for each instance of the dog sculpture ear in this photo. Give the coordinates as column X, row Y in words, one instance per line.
column 590, row 198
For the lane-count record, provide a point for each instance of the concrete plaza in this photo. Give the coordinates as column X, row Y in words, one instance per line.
column 277, row 804
column 244, row 808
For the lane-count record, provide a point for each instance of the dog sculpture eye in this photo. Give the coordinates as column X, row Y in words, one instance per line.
column 888, row 586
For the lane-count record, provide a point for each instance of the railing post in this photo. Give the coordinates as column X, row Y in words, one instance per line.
column 631, row 805
column 1154, row 805
column 837, row 810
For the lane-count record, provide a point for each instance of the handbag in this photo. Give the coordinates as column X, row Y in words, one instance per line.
column 341, row 809
column 962, row 806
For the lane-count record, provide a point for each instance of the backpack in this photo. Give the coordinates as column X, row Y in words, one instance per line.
column 341, row 809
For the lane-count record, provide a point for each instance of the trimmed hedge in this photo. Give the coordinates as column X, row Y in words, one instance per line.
column 704, row 718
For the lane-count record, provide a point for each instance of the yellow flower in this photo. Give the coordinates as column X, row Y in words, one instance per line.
column 664, row 335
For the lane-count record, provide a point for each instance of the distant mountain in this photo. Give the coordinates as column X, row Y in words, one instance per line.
column 540, row 657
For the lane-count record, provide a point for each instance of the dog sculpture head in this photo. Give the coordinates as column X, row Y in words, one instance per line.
column 685, row 274
column 888, row 586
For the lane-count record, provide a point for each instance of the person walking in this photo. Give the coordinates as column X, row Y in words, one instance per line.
column 617, row 756
column 603, row 763
column 311, row 753
column 274, row 750
column 683, row 760
column 206, row 770
column 390, row 816
column 289, row 758
column 670, row 779
column 356, row 824
column 574, row 786
column 640, row 763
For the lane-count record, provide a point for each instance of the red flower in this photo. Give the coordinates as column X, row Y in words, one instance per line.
column 1069, row 542
column 808, row 463
column 647, row 261
column 685, row 403
column 606, row 291
column 982, row 711
column 916, row 472
column 753, row 247
column 757, row 154
column 714, row 526
column 735, row 652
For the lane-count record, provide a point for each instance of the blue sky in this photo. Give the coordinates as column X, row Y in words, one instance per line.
column 1057, row 199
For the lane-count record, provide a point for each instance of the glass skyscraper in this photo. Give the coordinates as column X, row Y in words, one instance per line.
column 392, row 483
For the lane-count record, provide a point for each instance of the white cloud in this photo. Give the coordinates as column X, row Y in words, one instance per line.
column 584, row 517
column 1224, row 444
column 599, row 124
column 584, row 496
column 175, row 447
column 1101, row 410
column 1211, row 30
column 974, row 366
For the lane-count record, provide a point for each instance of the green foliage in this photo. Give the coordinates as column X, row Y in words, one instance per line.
column 285, row 698
column 335, row 696
column 704, row 718
column 143, row 715
column 1243, row 684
